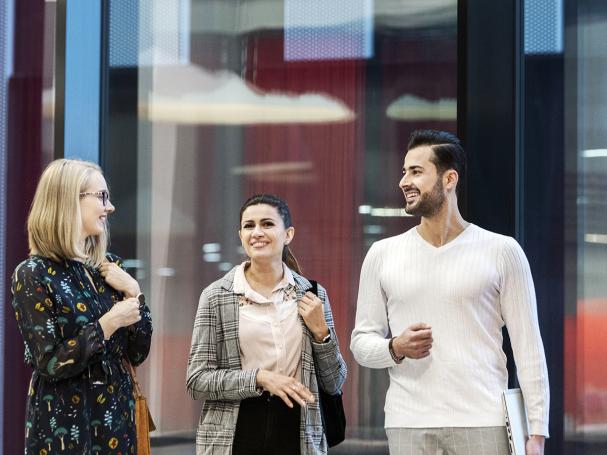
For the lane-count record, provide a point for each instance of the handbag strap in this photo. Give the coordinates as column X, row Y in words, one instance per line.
column 314, row 288
column 129, row 367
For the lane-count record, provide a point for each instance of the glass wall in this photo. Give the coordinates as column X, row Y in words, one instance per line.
column 586, row 272
column 563, row 189
column 313, row 101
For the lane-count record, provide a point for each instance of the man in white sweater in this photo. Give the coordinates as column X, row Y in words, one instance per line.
column 431, row 306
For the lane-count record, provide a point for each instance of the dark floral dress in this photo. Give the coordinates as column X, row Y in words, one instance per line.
column 80, row 399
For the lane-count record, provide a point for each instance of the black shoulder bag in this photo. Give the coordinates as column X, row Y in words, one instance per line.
column 331, row 406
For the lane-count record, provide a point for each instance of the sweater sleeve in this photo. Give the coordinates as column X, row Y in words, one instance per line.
column 519, row 310
column 369, row 342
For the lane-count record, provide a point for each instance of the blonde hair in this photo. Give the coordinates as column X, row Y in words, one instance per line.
column 54, row 224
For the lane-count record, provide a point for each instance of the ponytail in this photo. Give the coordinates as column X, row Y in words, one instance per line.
column 289, row 259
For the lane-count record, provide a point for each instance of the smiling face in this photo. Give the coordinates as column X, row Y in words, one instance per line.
column 92, row 211
column 263, row 233
column 422, row 186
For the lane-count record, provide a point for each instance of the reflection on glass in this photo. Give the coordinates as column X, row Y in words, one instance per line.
column 586, row 311
column 232, row 100
column 195, row 96
column 320, row 30
column 48, row 82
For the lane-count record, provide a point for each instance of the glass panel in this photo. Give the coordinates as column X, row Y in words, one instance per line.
column 586, row 311
column 48, row 81
column 312, row 102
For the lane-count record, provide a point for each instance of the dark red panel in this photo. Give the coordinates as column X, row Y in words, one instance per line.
column 23, row 167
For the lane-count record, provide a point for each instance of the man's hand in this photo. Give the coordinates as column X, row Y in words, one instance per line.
column 535, row 445
column 414, row 342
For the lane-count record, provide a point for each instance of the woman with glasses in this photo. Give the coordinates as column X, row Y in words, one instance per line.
column 263, row 346
column 82, row 317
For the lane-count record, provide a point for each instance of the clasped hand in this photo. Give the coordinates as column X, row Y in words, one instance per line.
column 414, row 342
column 285, row 387
column 119, row 279
column 122, row 314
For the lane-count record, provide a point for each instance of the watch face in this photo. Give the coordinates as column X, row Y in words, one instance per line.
column 141, row 299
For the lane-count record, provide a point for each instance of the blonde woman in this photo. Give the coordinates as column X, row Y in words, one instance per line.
column 81, row 316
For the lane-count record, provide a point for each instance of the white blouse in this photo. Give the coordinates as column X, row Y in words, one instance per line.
column 270, row 331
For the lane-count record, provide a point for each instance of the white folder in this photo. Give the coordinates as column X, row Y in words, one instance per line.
column 517, row 425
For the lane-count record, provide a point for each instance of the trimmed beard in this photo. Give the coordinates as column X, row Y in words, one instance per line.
column 429, row 203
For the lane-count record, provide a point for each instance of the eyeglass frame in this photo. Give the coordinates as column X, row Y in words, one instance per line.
column 102, row 195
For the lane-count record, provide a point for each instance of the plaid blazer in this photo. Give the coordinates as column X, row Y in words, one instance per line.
column 215, row 374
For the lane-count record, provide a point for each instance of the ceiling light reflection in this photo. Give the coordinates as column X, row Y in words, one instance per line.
column 195, row 96
column 595, row 153
column 382, row 211
column 413, row 108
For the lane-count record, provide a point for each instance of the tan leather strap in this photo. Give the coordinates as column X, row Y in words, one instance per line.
column 136, row 389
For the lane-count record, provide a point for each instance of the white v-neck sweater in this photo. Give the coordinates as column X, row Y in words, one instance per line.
column 466, row 291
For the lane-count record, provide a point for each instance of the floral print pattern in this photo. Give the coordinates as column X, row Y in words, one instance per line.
column 80, row 399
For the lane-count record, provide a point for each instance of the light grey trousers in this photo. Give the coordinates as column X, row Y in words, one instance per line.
column 448, row 441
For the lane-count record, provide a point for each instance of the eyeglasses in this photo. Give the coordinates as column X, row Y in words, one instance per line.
column 103, row 196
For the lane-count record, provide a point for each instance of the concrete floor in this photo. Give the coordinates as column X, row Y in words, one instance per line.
column 348, row 447
column 175, row 449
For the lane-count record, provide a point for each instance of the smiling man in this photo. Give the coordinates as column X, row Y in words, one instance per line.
column 431, row 306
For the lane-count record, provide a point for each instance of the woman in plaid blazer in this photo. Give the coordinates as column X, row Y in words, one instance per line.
column 262, row 346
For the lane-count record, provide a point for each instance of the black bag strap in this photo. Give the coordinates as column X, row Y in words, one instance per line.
column 314, row 288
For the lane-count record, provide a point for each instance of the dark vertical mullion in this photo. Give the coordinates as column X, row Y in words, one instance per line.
column 462, row 89
column 488, row 118
column 519, row 120
column 104, row 56
column 486, row 111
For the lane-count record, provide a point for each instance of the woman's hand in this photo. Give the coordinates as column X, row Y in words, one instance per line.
column 311, row 310
column 119, row 279
column 285, row 387
column 122, row 314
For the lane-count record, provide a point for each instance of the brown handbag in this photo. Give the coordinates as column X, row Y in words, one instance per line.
column 143, row 419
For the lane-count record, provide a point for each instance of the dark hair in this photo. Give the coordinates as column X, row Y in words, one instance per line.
column 447, row 148
column 284, row 212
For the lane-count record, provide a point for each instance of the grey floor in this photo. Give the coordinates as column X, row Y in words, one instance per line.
column 176, row 449
column 348, row 447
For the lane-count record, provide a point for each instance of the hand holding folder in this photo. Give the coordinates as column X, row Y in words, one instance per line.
column 516, row 420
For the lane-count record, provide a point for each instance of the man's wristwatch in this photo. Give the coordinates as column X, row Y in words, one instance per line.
column 327, row 338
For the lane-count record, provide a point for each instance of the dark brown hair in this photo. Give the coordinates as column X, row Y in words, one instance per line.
column 284, row 212
column 448, row 151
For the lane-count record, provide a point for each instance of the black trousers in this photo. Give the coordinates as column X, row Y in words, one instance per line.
column 267, row 426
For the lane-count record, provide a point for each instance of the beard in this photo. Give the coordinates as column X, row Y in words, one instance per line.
column 429, row 204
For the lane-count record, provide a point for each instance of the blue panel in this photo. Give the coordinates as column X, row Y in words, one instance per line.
column 328, row 30
column 82, row 79
column 124, row 32
column 543, row 26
